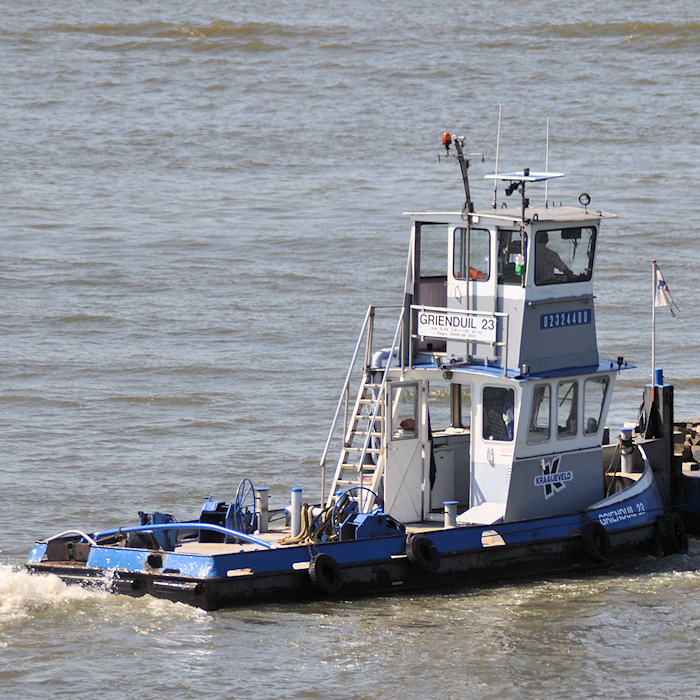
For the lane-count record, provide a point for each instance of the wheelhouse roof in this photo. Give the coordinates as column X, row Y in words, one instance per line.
column 542, row 215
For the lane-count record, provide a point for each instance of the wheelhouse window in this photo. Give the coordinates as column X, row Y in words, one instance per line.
column 471, row 254
column 461, row 405
column 564, row 255
column 431, row 264
column 404, row 402
column 511, row 259
column 567, row 409
column 449, row 406
column 431, row 250
column 498, row 418
column 594, row 391
column 439, row 406
column 538, row 430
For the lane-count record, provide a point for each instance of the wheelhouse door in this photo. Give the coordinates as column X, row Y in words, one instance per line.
column 493, row 448
column 404, row 473
column 471, row 281
column 430, row 273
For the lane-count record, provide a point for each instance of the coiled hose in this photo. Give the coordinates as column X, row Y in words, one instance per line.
column 314, row 530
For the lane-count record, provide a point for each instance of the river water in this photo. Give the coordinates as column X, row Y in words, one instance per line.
column 199, row 201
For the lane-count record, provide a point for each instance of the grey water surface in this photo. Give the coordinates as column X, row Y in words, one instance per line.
column 198, row 202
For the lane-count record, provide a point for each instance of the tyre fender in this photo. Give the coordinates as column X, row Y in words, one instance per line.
column 325, row 573
column 422, row 553
column 595, row 543
column 672, row 534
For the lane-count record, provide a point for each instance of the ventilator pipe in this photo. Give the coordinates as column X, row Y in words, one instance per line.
column 626, row 451
column 450, row 513
column 380, row 358
column 296, row 512
column 262, row 508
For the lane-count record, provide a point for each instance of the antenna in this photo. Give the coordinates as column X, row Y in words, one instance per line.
column 498, row 149
column 546, row 166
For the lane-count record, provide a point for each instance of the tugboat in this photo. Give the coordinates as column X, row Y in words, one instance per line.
column 471, row 447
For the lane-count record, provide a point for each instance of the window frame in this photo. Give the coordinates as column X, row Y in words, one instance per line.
column 533, row 437
column 484, row 422
column 462, row 259
column 398, row 433
column 574, row 404
column 586, row 274
column 605, row 381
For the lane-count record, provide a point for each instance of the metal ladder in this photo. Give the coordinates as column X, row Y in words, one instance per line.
column 361, row 461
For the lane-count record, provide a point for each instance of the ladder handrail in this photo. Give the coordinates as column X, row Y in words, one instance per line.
column 377, row 400
column 368, row 314
column 380, row 394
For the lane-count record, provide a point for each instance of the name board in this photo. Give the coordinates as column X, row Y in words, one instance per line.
column 473, row 327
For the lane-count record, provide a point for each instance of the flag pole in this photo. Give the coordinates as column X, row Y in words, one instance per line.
column 653, row 321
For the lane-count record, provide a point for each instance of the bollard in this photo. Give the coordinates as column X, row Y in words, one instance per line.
column 262, row 508
column 450, row 513
column 296, row 512
column 626, row 451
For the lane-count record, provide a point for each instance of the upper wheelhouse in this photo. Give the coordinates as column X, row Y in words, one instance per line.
column 518, row 292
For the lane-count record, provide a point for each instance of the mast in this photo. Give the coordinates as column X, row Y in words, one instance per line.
column 498, row 149
column 546, row 166
column 464, row 165
column 653, row 321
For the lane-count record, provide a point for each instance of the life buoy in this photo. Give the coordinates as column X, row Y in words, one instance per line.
column 595, row 543
column 325, row 573
column 672, row 534
column 422, row 553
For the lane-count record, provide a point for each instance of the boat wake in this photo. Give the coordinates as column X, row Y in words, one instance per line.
column 26, row 596
column 21, row 594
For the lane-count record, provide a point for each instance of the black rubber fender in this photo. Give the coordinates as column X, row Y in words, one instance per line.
column 595, row 543
column 672, row 534
column 325, row 573
column 422, row 553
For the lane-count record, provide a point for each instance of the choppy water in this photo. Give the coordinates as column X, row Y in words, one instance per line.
column 199, row 200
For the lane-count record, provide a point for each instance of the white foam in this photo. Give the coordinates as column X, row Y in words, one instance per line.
column 24, row 595
column 21, row 593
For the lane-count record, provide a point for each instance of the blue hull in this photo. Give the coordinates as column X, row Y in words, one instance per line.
column 620, row 527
